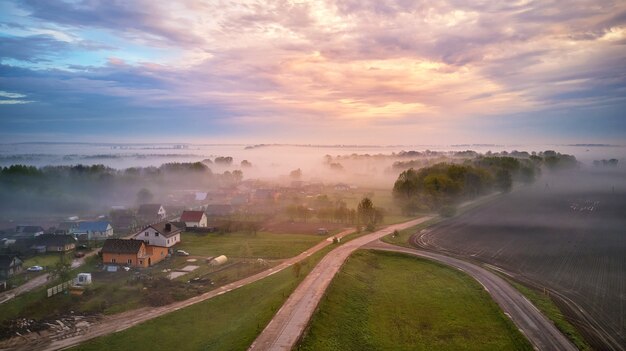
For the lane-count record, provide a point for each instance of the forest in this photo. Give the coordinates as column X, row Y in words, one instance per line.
column 443, row 185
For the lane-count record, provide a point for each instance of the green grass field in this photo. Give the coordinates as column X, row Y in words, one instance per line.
column 46, row 260
column 241, row 244
column 227, row 322
column 389, row 301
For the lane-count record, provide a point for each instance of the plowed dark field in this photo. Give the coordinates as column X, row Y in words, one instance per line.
column 565, row 234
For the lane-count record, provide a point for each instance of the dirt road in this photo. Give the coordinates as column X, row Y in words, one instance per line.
column 125, row 320
column 285, row 328
column 38, row 281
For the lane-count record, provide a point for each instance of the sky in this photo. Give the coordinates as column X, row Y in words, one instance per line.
column 322, row 72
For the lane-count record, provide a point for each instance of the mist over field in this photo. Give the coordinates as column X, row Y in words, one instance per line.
column 119, row 171
column 203, row 174
column 565, row 233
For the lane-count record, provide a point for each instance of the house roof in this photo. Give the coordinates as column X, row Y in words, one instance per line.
column 123, row 246
column 54, row 239
column 191, row 216
column 7, row 260
column 31, row 229
column 67, row 225
column 98, row 226
column 161, row 227
column 149, row 209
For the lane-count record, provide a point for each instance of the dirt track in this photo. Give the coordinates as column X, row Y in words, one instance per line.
column 284, row 330
column 118, row 322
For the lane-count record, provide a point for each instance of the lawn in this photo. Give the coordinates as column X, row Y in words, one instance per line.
column 243, row 244
column 390, row 301
column 46, row 260
column 227, row 322
column 35, row 305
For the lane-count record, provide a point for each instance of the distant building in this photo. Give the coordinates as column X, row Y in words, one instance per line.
column 240, row 199
column 194, row 219
column 67, row 227
column 54, row 243
column 342, row 187
column 9, row 266
column 123, row 219
column 98, row 230
column 151, row 212
column 163, row 234
column 200, row 196
column 265, row 195
column 25, row 231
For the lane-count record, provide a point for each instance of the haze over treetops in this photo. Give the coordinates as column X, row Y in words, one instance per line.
column 344, row 71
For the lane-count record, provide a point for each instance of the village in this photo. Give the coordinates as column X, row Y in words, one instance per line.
column 158, row 253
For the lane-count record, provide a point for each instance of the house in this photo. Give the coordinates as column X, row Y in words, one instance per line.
column 123, row 219
column 98, row 230
column 54, row 243
column 131, row 252
column 240, row 199
column 28, row 231
column 67, row 227
column 342, row 187
column 164, row 234
column 151, row 213
column 201, row 196
column 9, row 266
column 194, row 219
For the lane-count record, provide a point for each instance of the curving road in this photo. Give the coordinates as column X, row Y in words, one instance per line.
column 287, row 326
column 539, row 330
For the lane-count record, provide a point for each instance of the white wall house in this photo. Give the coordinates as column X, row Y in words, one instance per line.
column 162, row 234
column 194, row 219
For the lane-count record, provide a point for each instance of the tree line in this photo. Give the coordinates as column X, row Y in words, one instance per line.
column 444, row 184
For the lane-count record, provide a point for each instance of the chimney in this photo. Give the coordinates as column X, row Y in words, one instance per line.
column 168, row 227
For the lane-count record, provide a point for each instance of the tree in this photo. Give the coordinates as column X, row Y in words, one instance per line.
column 246, row 164
column 61, row 270
column 144, row 196
column 225, row 161
column 237, row 176
column 296, row 174
column 368, row 214
column 406, row 185
column 504, row 182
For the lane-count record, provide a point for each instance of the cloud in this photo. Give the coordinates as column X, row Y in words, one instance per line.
column 343, row 63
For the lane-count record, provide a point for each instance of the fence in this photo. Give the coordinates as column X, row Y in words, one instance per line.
column 60, row 288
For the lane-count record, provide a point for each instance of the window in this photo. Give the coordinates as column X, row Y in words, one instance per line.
column 130, row 261
column 112, row 260
column 168, row 241
column 156, row 234
column 141, row 262
column 147, row 234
